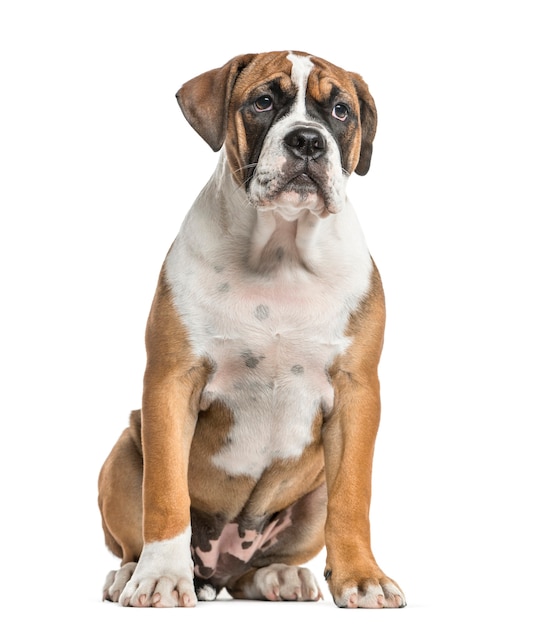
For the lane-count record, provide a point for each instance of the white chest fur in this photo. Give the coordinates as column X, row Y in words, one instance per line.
column 270, row 331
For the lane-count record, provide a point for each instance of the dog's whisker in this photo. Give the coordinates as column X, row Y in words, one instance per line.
column 243, row 185
column 245, row 167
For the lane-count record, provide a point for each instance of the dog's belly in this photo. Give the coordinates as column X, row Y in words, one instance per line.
column 270, row 352
column 274, row 383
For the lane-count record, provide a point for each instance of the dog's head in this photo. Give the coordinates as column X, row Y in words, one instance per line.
column 294, row 127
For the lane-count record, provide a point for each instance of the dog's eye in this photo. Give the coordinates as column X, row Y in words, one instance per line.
column 264, row 103
column 340, row 112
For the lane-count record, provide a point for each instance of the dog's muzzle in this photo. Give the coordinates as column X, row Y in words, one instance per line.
column 299, row 171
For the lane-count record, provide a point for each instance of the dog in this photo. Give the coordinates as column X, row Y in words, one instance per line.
column 252, row 451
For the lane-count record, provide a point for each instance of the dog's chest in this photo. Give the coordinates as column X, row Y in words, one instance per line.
column 270, row 340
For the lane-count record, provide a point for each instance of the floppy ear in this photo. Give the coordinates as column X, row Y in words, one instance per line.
column 204, row 100
column 368, row 122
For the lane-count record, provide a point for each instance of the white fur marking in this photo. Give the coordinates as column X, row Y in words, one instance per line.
column 207, row 593
column 300, row 71
column 257, row 357
column 163, row 566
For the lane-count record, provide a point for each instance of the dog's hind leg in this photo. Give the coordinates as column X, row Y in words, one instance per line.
column 120, row 503
column 275, row 572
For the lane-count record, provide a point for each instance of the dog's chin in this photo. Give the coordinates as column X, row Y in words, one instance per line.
column 296, row 197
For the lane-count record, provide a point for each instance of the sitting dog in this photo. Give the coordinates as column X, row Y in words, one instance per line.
column 253, row 447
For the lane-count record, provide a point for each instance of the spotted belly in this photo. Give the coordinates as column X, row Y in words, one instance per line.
column 274, row 391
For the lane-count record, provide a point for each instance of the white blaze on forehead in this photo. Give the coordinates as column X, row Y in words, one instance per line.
column 302, row 66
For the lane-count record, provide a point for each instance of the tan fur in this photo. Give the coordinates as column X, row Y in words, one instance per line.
column 349, row 438
column 120, row 500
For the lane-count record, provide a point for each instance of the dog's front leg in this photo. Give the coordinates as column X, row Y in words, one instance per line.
column 172, row 384
column 354, row 578
column 164, row 573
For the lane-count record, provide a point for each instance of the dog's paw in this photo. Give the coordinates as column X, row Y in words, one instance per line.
column 368, row 594
column 206, row 593
column 123, row 587
column 159, row 592
column 285, row 582
column 163, row 577
column 116, row 581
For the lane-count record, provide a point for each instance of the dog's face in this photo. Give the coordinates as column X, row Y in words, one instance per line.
column 294, row 126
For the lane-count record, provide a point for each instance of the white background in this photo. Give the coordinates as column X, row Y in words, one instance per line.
column 98, row 167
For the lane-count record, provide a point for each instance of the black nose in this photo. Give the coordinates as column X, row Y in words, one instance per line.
column 305, row 142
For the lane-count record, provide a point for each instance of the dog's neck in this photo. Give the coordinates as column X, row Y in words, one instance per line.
column 276, row 242
column 273, row 238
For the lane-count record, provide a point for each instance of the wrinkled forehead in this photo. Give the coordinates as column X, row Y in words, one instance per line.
column 327, row 82
column 294, row 74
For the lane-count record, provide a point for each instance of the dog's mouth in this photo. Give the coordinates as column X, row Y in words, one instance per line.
column 297, row 186
column 303, row 184
column 301, row 192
